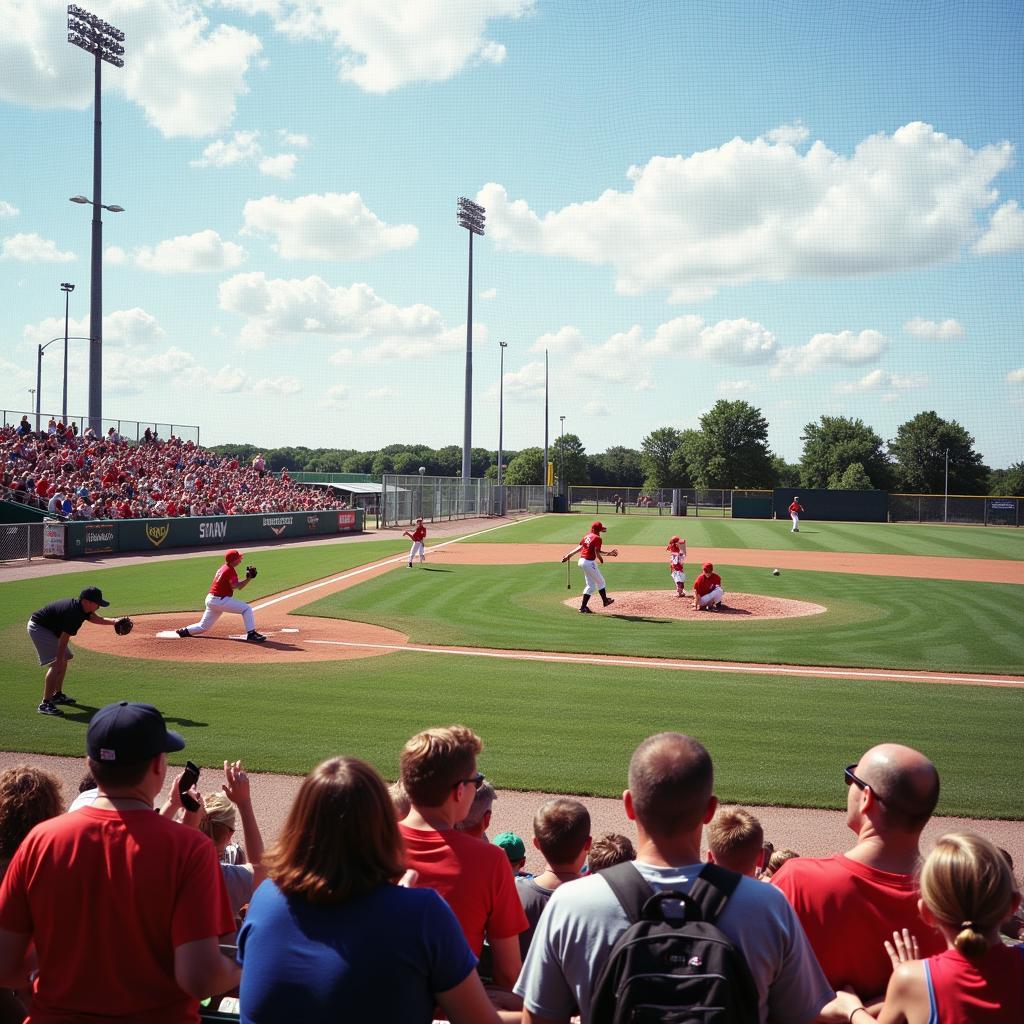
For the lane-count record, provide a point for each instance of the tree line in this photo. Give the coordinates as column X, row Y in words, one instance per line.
column 729, row 450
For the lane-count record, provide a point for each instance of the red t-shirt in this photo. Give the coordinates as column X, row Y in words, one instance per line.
column 989, row 990
column 590, row 546
column 848, row 911
column 473, row 877
column 106, row 897
column 796, row 507
column 705, row 584
column 419, row 533
column 224, row 581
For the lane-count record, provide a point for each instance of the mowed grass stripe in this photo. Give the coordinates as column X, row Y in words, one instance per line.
column 871, row 622
column 559, row 728
column 875, row 538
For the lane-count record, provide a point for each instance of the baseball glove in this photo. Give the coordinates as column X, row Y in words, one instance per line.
column 123, row 626
column 250, row 572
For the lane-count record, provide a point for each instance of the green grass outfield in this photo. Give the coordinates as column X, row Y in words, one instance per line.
column 881, row 623
column 776, row 739
column 773, row 535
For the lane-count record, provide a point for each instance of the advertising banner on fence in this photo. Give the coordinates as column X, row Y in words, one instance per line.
column 53, row 540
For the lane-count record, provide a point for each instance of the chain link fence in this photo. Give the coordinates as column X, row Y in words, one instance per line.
column 130, row 430
column 21, row 541
column 405, row 498
column 959, row 509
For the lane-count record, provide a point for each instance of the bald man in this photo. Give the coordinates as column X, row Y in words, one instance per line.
column 671, row 799
column 850, row 903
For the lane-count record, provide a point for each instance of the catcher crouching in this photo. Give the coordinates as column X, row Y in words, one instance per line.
column 52, row 626
column 221, row 599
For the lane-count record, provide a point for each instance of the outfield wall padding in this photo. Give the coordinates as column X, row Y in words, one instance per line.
column 834, row 506
column 744, row 507
column 120, row 535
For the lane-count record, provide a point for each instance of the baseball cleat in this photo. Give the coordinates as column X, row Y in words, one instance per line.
column 47, row 708
column 255, row 638
column 183, row 632
column 611, row 600
column 60, row 697
column 586, row 611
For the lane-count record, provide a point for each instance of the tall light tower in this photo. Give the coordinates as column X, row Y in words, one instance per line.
column 471, row 217
column 103, row 41
column 561, row 458
column 501, row 424
column 67, row 289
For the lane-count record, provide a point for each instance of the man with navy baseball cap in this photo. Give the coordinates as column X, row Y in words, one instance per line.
column 124, row 907
column 50, row 628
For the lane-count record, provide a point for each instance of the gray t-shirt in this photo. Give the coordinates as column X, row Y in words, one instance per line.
column 583, row 919
column 534, row 899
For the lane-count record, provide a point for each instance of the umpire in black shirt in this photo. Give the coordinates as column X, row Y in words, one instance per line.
column 50, row 629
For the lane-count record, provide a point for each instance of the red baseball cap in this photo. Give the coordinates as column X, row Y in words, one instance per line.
column 708, row 567
column 597, row 527
column 232, row 554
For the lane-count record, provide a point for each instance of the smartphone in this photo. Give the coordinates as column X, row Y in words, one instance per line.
column 189, row 777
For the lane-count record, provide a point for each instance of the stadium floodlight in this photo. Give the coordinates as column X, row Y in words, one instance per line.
column 501, row 424
column 67, row 289
column 105, row 43
column 471, row 216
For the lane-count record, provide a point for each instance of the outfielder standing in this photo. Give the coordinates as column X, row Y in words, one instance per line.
column 794, row 513
column 417, row 537
column 220, row 599
column 677, row 564
column 589, row 550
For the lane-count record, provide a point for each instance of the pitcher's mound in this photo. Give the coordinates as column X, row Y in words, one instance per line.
column 659, row 604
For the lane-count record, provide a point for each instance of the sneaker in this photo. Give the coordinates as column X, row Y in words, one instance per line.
column 255, row 638
column 611, row 600
column 586, row 611
column 183, row 632
column 60, row 697
column 48, row 708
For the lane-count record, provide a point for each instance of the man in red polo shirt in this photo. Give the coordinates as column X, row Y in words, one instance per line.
column 589, row 550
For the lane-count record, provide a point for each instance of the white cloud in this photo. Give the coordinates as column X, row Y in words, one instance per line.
column 934, row 331
column 1005, row 231
column 842, row 349
column 789, row 134
column 377, row 394
column 33, row 248
column 750, row 211
column 280, row 166
column 123, row 327
column 242, row 146
column 115, row 255
column 566, row 339
column 597, row 410
column 526, row 382
column 334, row 397
column 325, row 227
column 1015, row 377
column 489, row 295
column 343, row 357
column 297, row 140
column 382, row 47
column 189, row 254
column 184, row 72
column 276, row 309
column 8, row 209
column 738, row 341
column 879, row 380
column 737, row 387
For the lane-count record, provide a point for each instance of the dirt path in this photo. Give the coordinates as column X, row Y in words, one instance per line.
column 810, row 832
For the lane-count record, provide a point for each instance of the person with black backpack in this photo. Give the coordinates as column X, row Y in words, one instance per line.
column 667, row 937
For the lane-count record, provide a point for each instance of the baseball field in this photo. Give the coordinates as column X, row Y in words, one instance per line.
column 870, row 632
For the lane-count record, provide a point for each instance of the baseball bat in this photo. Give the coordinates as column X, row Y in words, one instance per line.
column 568, row 576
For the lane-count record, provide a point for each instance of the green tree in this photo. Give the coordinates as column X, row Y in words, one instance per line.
column 570, row 458
column 406, row 462
column 787, row 474
column 920, row 447
column 1007, row 481
column 835, row 443
column 656, row 452
column 382, row 464
column 731, row 449
column 360, row 462
column 617, row 467
column 853, row 478
column 449, row 461
column 525, row 468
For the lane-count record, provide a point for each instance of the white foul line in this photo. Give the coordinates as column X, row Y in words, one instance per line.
column 704, row 666
column 375, row 565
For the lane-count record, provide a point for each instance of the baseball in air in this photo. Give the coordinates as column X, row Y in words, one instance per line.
column 775, row 572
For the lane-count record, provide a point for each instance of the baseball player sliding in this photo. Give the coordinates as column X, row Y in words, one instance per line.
column 589, row 550
column 221, row 599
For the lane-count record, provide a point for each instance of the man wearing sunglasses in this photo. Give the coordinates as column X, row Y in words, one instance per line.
column 439, row 773
column 849, row 904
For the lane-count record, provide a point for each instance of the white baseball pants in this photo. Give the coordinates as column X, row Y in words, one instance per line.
column 679, row 576
column 418, row 549
column 796, row 522
column 591, row 573
column 714, row 597
column 216, row 607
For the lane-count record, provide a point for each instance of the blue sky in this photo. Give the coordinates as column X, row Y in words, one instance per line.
column 816, row 207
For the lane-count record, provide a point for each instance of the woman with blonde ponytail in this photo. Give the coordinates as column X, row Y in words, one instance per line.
column 967, row 892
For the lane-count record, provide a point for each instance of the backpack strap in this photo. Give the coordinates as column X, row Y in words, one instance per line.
column 712, row 889
column 630, row 888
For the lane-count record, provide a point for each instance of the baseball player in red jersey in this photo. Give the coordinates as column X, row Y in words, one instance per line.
column 794, row 513
column 589, row 550
column 220, row 599
column 417, row 536
column 707, row 590
column 677, row 564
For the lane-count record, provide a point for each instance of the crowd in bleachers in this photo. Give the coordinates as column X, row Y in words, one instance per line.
column 76, row 475
column 396, row 906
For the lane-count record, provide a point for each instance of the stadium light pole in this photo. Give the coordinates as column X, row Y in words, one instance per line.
column 472, row 217
column 33, row 399
column 67, row 289
column 40, row 349
column 502, row 345
column 104, row 42
column 561, row 458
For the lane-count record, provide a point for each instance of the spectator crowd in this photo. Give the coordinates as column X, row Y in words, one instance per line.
column 84, row 476
column 394, row 905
